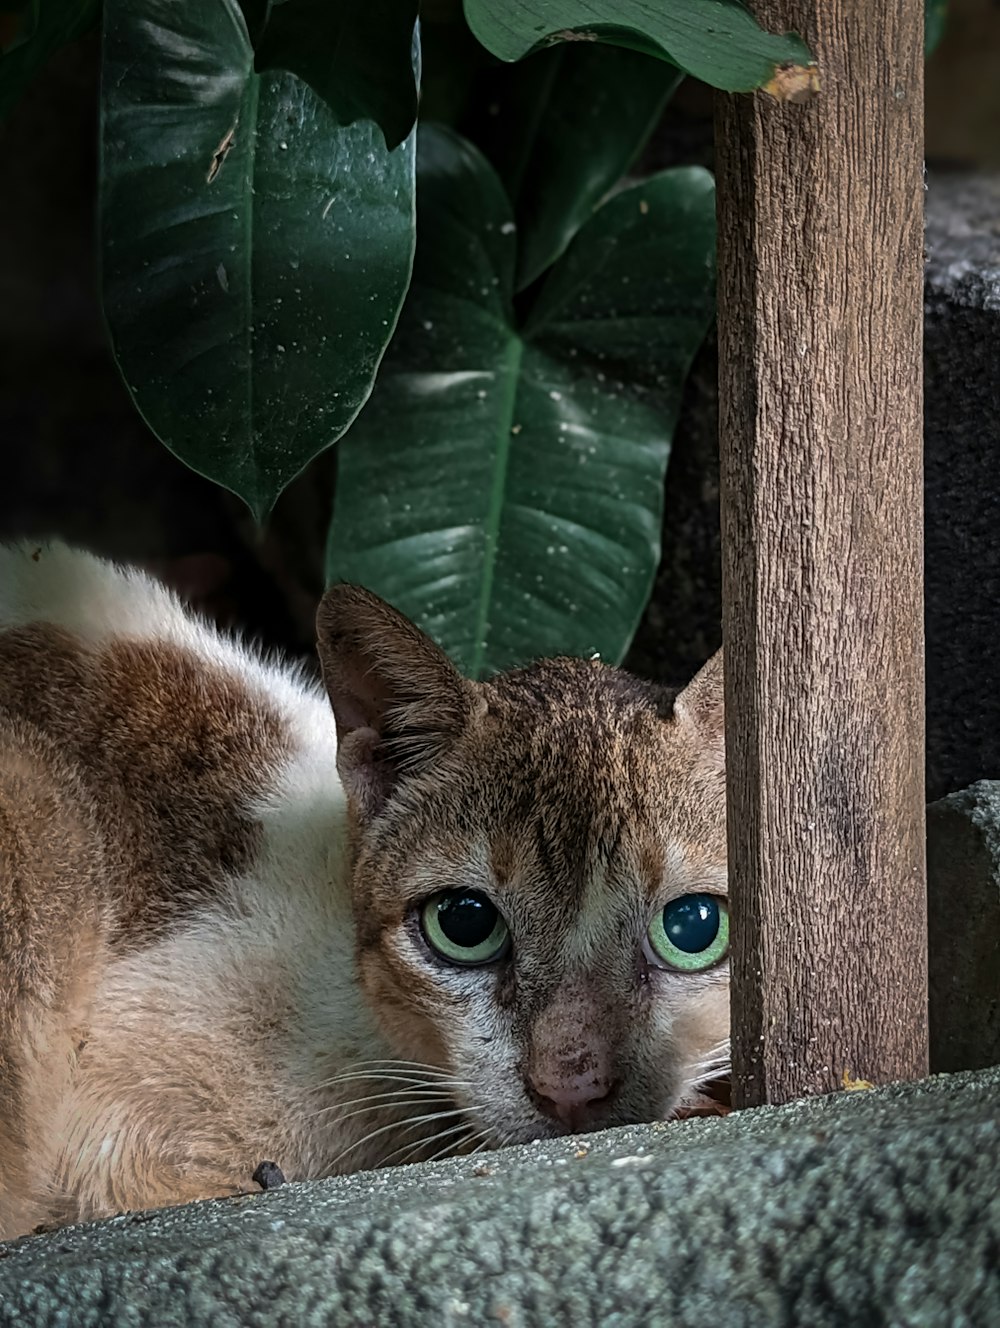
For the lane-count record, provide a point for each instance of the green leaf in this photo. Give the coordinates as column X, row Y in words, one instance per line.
column 715, row 40
column 356, row 56
column 255, row 253
column 935, row 19
column 30, row 33
column 561, row 130
column 504, row 485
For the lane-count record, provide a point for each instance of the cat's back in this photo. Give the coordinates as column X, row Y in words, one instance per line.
column 146, row 730
column 147, row 765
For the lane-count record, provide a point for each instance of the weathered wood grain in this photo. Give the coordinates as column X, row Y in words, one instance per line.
column 820, row 324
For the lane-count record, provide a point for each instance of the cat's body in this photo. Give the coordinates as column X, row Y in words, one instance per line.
column 214, row 938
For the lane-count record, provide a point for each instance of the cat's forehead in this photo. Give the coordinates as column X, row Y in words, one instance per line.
column 574, row 784
column 571, row 739
column 571, row 690
column 575, row 761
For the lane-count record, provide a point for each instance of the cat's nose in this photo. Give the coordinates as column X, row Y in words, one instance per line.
column 573, row 1100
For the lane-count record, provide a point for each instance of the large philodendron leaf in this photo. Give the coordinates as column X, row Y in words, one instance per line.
column 718, row 41
column 504, row 485
column 562, row 128
column 255, row 253
column 356, row 56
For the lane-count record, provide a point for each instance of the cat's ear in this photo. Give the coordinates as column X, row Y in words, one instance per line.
column 700, row 706
column 397, row 699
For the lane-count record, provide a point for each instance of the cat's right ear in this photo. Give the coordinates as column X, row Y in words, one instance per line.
column 397, row 699
column 700, row 709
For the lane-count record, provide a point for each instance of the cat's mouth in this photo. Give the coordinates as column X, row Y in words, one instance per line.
column 532, row 1121
column 544, row 1121
column 411, row 1111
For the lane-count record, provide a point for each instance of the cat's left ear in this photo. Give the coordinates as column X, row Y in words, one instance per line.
column 398, row 700
column 700, row 708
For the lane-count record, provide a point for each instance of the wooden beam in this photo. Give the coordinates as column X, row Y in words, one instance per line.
column 820, row 328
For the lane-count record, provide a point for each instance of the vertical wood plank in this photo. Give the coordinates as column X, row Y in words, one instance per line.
column 820, row 332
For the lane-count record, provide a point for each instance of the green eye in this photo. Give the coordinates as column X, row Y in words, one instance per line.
column 691, row 933
column 464, row 927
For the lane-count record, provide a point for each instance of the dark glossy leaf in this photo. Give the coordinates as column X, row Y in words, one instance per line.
column 718, row 41
column 504, row 484
column 935, row 18
column 562, row 129
column 30, row 33
column 255, row 253
column 356, row 56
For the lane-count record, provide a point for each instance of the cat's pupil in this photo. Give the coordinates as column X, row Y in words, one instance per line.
column 692, row 923
column 466, row 918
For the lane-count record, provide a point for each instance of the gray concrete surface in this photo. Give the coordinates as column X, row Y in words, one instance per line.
column 867, row 1208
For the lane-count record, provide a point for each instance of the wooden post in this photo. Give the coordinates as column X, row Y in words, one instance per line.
column 820, row 330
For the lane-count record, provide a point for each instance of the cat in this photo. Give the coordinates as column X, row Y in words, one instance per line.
column 246, row 916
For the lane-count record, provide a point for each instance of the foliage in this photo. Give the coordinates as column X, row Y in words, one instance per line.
column 715, row 40
column 505, row 485
column 355, row 57
column 251, row 304
column 935, row 16
column 259, row 162
column 561, row 131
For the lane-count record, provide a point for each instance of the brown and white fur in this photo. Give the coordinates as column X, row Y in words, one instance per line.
column 209, row 953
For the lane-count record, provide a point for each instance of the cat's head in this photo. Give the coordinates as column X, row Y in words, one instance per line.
column 540, row 874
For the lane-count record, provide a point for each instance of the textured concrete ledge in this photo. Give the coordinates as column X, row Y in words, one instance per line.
column 867, row 1208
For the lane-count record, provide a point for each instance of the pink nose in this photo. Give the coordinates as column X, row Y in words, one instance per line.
column 572, row 1100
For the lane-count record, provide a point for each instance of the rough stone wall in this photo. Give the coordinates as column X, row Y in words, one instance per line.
column 963, row 888
column 962, row 485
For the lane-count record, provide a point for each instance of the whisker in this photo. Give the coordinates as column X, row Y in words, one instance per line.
column 503, row 1142
column 407, row 1150
column 393, row 1125
column 483, row 1137
column 389, row 1077
column 397, row 1060
column 421, row 1077
column 484, row 1143
column 447, row 1148
column 414, row 1095
column 424, row 1067
column 715, row 1062
column 714, row 1065
column 700, row 1072
column 721, row 1051
column 427, row 1100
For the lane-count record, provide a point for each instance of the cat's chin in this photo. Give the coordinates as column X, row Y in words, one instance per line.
column 531, row 1132
column 541, row 1127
